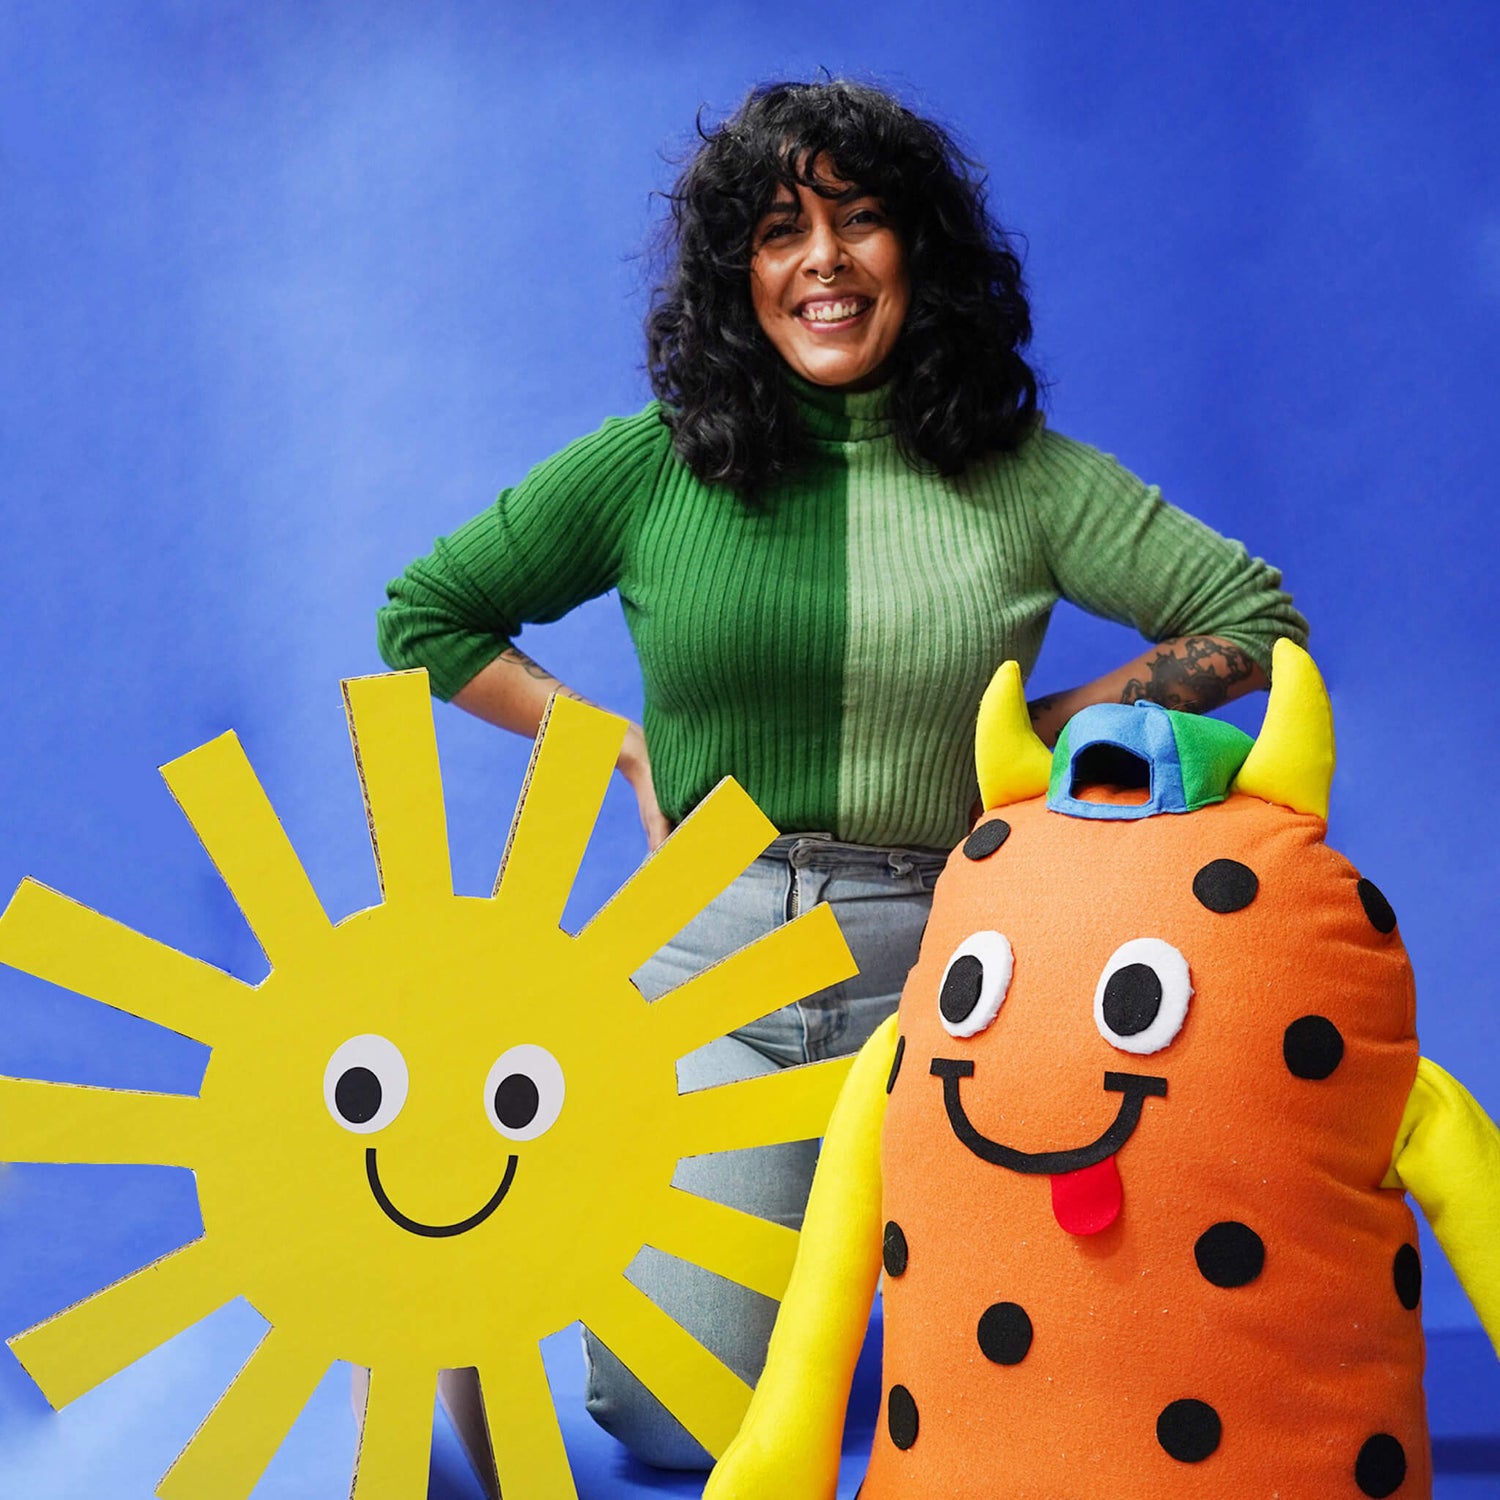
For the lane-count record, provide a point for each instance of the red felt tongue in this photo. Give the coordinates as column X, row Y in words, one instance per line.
column 1088, row 1200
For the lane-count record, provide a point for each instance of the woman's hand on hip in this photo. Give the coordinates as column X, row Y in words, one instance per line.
column 635, row 766
column 512, row 692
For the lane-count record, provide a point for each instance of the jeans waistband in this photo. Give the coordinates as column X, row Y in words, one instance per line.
column 822, row 849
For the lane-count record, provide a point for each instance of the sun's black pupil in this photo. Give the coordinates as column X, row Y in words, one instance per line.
column 356, row 1095
column 516, row 1101
column 1132, row 997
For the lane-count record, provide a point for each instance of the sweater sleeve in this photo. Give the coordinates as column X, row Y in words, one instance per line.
column 556, row 539
column 1117, row 549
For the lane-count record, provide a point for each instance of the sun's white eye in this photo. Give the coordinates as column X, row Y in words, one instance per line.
column 364, row 1084
column 1143, row 994
column 523, row 1094
column 975, row 982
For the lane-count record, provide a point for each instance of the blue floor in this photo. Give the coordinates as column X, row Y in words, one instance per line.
column 114, row 1443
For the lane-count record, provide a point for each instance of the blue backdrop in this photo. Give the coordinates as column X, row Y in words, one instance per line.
column 288, row 290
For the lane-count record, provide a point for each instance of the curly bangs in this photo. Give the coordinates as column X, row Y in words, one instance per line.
column 960, row 387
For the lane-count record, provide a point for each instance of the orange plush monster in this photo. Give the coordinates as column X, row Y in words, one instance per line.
column 1144, row 1122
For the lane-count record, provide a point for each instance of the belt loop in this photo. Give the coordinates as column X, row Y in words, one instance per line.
column 804, row 846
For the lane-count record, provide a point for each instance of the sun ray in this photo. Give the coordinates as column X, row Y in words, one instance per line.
column 395, row 1445
column 279, row 1143
column 87, row 1343
column 529, row 1455
column 574, row 758
column 66, row 1122
column 395, row 750
column 785, row 965
column 230, row 1450
column 217, row 788
column 66, row 943
column 792, row 1105
column 707, row 850
column 752, row 1251
column 706, row 1396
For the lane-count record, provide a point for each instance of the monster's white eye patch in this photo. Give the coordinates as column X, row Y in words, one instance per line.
column 364, row 1084
column 975, row 982
column 1142, row 997
column 523, row 1094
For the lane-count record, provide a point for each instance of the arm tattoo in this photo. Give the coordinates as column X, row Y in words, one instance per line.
column 1195, row 674
column 536, row 670
column 1043, row 705
column 526, row 664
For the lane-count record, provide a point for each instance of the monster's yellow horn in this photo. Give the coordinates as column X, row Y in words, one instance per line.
column 1292, row 762
column 1012, row 762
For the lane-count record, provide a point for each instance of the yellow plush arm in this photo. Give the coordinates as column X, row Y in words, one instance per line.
column 790, row 1441
column 1447, row 1156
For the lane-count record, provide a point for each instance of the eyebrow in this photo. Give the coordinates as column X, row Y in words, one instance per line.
column 791, row 207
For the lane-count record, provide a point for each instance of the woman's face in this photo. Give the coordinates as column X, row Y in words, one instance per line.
column 828, row 283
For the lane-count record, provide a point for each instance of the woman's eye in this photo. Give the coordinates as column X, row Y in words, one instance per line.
column 1142, row 997
column 523, row 1094
column 364, row 1084
column 975, row 983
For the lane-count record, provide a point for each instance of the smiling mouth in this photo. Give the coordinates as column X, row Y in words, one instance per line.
column 1086, row 1192
column 833, row 312
column 435, row 1231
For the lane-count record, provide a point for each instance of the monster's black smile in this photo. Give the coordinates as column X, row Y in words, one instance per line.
column 1136, row 1088
column 435, row 1231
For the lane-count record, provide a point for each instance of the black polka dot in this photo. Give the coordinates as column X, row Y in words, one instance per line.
column 890, row 1082
column 1377, row 908
column 894, row 1251
column 517, row 1100
column 1132, row 998
column 1408, row 1274
column 357, row 1095
column 901, row 1416
column 1189, row 1430
column 1005, row 1333
column 986, row 839
column 1380, row 1468
column 1230, row 1254
column 961, row 988
column 1312, row 1047
column 1225, row 885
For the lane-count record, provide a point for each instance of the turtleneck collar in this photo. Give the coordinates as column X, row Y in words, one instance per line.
column 842, row 416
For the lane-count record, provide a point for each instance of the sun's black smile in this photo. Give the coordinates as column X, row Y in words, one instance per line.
column 435, row 1231
column 1136, row 1088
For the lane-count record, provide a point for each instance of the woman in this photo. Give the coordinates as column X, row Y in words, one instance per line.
column 841, row 513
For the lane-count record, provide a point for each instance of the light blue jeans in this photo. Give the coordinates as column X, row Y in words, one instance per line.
column 881, row 898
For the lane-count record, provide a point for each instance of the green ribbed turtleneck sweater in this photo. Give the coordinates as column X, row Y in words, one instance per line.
column 829, row 649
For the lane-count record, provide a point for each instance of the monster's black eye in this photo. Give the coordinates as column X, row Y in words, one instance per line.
column 975, row 983
column 364, row 1084
column 1142, row 997
column 523, row 1094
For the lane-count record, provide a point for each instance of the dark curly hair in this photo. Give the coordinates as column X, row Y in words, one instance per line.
column 960, row 387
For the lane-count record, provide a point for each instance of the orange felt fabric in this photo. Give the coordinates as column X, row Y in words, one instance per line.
column 1304, row 1365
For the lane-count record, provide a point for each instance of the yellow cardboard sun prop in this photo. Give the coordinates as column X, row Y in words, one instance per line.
column 437, row 1131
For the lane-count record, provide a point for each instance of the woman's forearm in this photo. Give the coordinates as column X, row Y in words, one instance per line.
column 512, row 692
column 1194, row 673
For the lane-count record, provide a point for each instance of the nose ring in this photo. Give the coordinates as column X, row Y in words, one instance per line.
column 827, row 280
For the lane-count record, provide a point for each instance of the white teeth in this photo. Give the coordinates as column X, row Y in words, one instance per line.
column 833, row 312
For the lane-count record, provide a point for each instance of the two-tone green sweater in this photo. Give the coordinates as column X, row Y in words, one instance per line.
column 829, row 648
